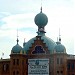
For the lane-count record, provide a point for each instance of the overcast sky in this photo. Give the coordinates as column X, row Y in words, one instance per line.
column 19, row 14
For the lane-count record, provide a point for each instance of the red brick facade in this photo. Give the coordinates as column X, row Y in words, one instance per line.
column 18, row 63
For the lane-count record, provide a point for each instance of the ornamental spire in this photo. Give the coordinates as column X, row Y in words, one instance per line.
column 24, row 42
column 59, row 36
column 41, row 9
column 17, row 37
column 41, row 6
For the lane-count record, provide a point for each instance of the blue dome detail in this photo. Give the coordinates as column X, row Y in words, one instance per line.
column 28, row 44
column 60, row 48
column 49, row 43
column 17, row 48
column 41, row 19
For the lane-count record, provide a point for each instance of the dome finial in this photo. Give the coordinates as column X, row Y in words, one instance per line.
column 17, row 37
column 41, row 9
column 24, row 42
column 41, row 6
column 59, row 36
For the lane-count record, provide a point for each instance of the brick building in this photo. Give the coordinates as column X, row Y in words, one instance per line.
column 39, row 56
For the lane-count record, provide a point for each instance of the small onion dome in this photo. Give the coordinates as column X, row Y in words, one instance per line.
column 16, row 49
column 59, row 48
column 41, row 19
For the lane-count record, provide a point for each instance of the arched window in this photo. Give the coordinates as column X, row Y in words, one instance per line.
column 5, row 67
column 38, row 50
column 68, row 66
column 17, row 73
column 72, row 66
column 13, row 72
column 17, row 62
column 13, row 61
column 57, row 60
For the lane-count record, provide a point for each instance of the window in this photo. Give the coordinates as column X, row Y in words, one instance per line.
column 22, row 62
column 61, row 72
column 4, row 67
column 7, row 66
column 13, row 61
column 72, row 66
column 68, row 66
column 17, row 62
column 57, row 72
column 57, row 60
column 13, row 72
column 17, row 73
column 38, row 49
column 61, row 61
column 27, row 62
column 68, row 74
column 50, row 61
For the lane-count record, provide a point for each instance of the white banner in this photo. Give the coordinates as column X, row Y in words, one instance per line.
column 38, row 66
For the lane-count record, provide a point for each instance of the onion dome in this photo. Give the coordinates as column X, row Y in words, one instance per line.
column 17, row 48
column 59, row 48
column 41, row 19
column 49, row 43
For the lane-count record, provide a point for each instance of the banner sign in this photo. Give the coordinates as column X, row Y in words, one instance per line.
column 38, row 66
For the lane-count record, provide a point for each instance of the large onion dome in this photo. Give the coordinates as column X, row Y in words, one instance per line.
column 41, row 19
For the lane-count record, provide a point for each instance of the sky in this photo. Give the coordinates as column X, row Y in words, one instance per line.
column 20, row 14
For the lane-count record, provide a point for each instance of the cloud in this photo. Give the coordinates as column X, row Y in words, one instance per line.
column 3, row 15
column 19, row 21
column 2, row 23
